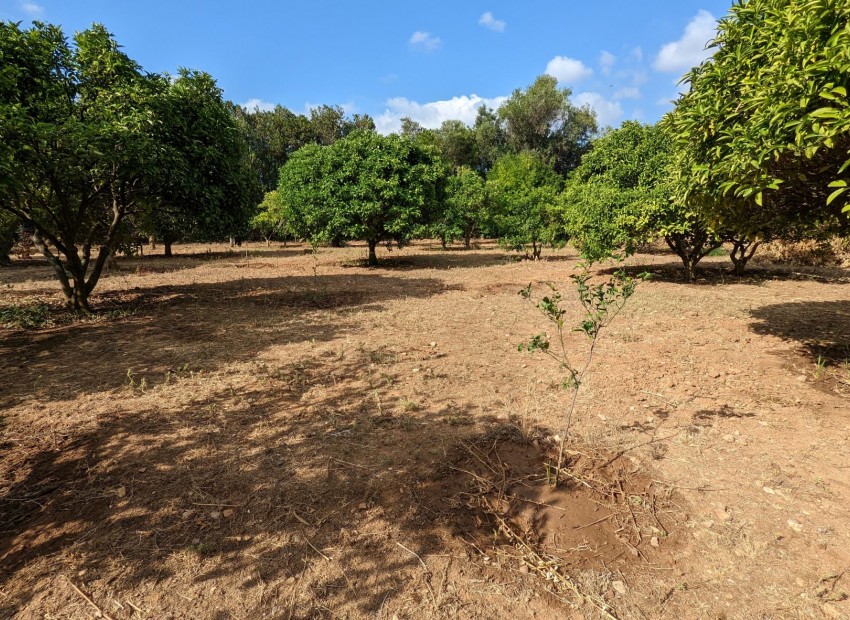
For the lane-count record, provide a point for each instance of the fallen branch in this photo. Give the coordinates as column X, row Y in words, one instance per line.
column 101, row 613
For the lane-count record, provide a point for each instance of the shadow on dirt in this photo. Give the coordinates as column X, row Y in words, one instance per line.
column 198, row 326
column 719, row 274
column 822, row 328
column 317, row 467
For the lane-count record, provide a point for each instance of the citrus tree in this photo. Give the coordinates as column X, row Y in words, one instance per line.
column 364, row 186
column 765, row 124
column 521, row 190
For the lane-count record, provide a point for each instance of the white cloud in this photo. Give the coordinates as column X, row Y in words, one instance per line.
column 568, row 70
column 607, row 112
column 606, row 61
column 689, row 50
column 424, row 41
column 488, row 21
column 258, row 104
column 32, row 8
column 628, row 92
column 432, row 114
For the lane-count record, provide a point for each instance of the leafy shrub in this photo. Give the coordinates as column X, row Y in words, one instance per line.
column 29, row 316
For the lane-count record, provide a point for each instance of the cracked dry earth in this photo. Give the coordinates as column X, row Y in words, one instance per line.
column 261, row 434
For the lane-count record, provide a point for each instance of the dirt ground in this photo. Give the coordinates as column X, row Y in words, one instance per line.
column 262, row 433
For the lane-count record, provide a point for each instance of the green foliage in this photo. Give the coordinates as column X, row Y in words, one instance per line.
column 457, row 144
column 542, row 119
column 78, row 147
column 490, row 139
column 269, row 221
column 620, row 197
column 464, row 211
column 208, row 189
column 521, row 190
column 601, row 303
column 365, row 186
column 31, row 316
column 8, row 225
column 765, row 125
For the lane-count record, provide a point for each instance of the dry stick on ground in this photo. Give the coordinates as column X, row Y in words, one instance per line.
column 100, row 611
column 550, row 570
column 427, row 574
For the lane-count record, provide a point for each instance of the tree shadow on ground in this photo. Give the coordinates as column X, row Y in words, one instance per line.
column 822, row 328
column 436, row 260
column 719, row 274
column 195, row 326
column 301, row 487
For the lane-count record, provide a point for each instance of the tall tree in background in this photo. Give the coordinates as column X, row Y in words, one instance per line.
column 457, row 144
column 78, row 148
column 490, row 138
column 208, row 189
column 542, row 119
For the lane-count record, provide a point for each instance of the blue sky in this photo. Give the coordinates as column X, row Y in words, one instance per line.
column 389, row 59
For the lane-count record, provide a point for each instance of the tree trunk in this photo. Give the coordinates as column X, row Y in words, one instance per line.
column 152, row 242
column 373, row 257
column 742, row 251
column 537, row 250
column 467, row 242
column 444, row 243
column 166, row 243
column 692, row 247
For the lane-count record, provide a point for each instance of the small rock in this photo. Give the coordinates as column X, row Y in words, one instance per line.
column 802, row 378
column 654, row 541
column 227, row 513
column 708, row 524
column 362, row 506
column 215, row 515
column 619, row 587
column 187, row 513
column 800, row 582
column 723, row 514
column 523, row 569
column 121, row 491
column 795, row 525
column 416, row 370
column 433, row 344
column 729, row 438
column 142, row 470
column 768, row 490
column 290, row 580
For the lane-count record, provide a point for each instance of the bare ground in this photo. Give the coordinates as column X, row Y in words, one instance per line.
column 258, row 434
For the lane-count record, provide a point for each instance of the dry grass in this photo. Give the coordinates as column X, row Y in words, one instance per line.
column 238, row 437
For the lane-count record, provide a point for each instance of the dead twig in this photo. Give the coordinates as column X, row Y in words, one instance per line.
column 100, row 612
column 581, row 527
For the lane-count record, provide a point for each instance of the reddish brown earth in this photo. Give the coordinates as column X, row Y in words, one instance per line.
column 263, row 435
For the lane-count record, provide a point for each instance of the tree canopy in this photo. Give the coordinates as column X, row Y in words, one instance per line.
column 365, row 186
column 766, row 120
column 521, row 190
column 77, row 125
column 622, row 195
column 542, row 119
